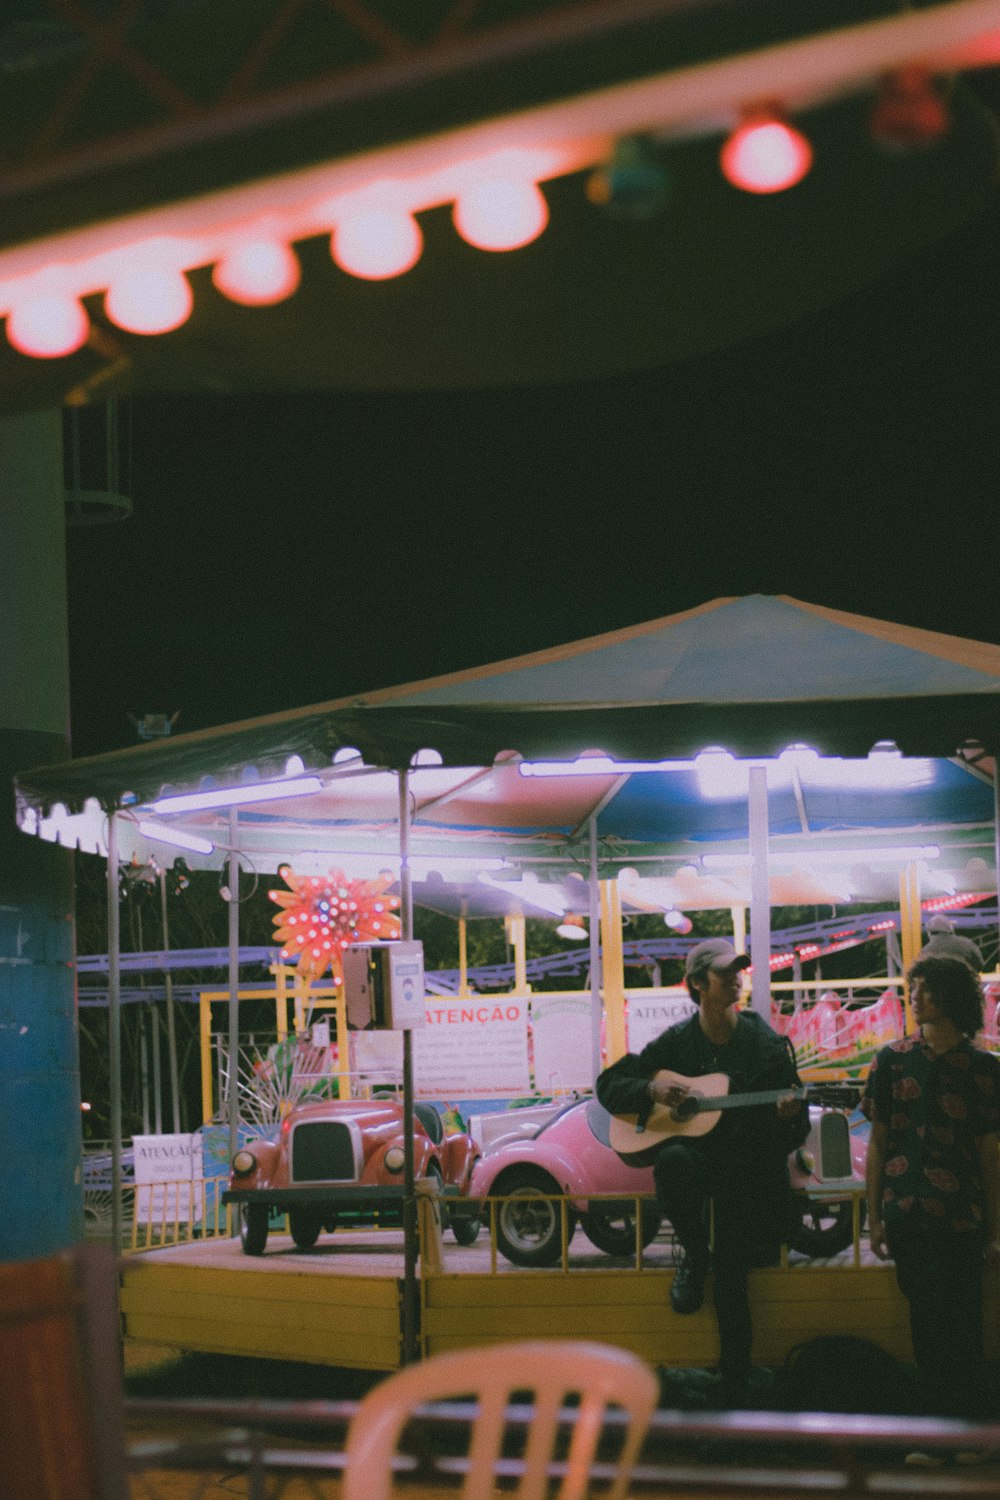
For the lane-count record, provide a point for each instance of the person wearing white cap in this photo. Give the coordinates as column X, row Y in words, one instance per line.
column 944, row 942
column 740, row 1165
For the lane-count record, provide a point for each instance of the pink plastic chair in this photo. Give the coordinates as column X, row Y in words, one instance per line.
column 550, row 1371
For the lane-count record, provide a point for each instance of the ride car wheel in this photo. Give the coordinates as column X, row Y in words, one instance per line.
column 305, row 1225
column 465, row 1227
column 821, row 1229
column 253, row 1228
column 528, row 1221
column 611, row 1225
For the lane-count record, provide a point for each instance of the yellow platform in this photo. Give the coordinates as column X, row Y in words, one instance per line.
column 341, row 1303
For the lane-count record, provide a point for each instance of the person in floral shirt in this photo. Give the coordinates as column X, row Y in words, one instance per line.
column 933, row 1179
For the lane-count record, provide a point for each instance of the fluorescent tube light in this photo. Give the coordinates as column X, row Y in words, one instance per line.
column 599, row 765
column 175, row 836
column 823, row 856
column 237, row 796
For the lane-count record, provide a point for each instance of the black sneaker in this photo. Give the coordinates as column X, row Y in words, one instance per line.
column 687, row 1291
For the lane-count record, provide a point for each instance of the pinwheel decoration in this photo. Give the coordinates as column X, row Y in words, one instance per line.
column 321, row 915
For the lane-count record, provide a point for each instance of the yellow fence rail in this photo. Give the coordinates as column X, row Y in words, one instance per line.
column 190, row 1211
column 178, row 1213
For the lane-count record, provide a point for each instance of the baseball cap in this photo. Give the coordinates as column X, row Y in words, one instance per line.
column 714, row 953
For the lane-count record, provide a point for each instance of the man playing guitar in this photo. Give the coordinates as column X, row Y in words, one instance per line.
column 740, row 1164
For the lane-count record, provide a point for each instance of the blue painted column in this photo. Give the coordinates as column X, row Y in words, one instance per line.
column 41, row 1194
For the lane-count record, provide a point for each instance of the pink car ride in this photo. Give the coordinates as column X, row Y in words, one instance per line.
column 525, row 1166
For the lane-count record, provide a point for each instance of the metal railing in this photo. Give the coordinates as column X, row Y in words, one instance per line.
column 848, row 1192
column 274, row 1446
column 178, row 1213
column 189, row 1211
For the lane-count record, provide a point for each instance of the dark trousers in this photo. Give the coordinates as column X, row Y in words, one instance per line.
column 687, row 1177
column 941, row 1277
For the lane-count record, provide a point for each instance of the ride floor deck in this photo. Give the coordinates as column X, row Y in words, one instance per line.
column 341, row 1303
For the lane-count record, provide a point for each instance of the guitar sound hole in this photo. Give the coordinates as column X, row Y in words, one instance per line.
column 686, row 1110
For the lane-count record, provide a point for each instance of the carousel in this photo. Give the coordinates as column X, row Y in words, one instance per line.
column 537, row 782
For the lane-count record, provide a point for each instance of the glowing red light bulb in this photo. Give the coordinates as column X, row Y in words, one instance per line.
column 149, row 299
column 258, row 273
column 377, row 243
column 765, row 155
column 501, row 214
column 47, row 326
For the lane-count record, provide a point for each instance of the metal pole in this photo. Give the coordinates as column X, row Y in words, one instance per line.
column 410, row 1297
column 144, row 1068
column 175, row 1101
column 463, row 950
column 760, row 894
column 234, row 983
column 996, row 840
column 596, row 1003
column 135, row 933
column 154, row 1024
column 115, row 1034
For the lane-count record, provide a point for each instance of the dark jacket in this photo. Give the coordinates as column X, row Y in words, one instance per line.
column 756, row 1058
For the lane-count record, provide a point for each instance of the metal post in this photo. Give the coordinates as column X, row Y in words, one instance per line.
column 996, row 839
column 115, row 1034
column 168, row 980
column 154, row 1024
column 463, row 951
column 234, row 983
column 144, row 1068
column 410, row 1350
column 760, row 894
column 596, row 976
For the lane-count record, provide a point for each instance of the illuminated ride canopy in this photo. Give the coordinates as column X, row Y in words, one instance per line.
column 878, row 741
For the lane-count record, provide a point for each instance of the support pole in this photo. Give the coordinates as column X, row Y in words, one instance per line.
column 154, row 1029
column 205, row 1034
column 996, row 842
column 516, row 936
column 168, row 980
column 612, row 969
column 463, row 952
column 234, row 984
column 909, row 934
column 594, row 931
column 144, row 1067
column 41, row 1164
column 115, row 1033
column 410, row 1351
column 760, row 895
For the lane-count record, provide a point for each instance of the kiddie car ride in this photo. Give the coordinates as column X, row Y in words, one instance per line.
column 341, row 1161
column 570, row 1155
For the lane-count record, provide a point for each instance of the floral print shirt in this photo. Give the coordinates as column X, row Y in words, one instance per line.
column 935, row 1108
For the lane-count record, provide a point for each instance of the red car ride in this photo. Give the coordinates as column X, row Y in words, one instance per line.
column 340, row 1161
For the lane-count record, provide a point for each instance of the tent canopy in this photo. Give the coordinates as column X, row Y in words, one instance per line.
column 812, row 690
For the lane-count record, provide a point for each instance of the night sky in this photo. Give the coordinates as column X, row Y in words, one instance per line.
column 286, row 550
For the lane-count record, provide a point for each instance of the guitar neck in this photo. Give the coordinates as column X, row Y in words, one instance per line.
column 742, row 1101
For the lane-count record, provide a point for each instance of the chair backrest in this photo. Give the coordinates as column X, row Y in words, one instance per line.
column 62, row 1434
column 549, row 1371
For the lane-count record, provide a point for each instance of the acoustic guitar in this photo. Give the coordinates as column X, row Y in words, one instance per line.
column 697, row 1113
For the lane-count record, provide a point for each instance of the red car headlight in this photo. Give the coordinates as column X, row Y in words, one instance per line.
column 243, row 1163
column 394, row 1159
